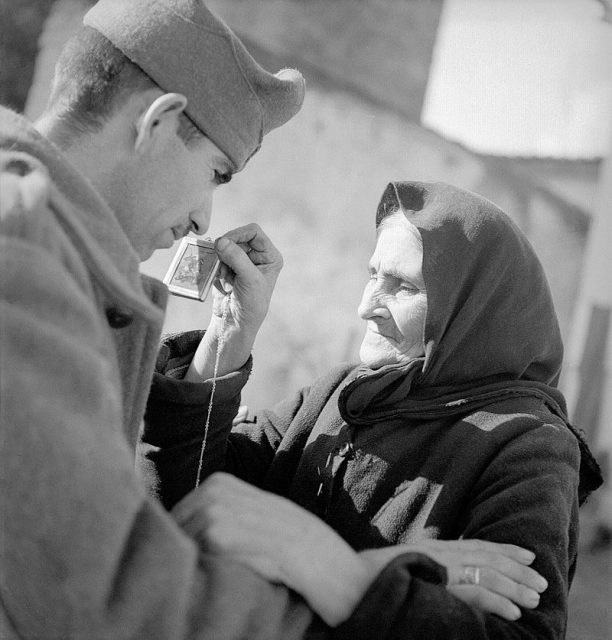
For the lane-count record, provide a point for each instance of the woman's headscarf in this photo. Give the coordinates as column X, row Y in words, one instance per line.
column 491, row 330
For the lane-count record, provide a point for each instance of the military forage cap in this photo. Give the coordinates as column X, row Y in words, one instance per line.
column 186, row 49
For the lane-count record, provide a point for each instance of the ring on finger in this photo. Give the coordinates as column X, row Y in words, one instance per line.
column 470, row 575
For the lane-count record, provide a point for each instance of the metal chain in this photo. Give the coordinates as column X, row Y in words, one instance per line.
column 220, row 342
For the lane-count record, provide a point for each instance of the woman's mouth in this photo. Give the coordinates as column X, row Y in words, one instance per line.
column 382, row 335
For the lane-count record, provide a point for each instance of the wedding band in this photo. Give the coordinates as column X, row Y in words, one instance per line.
column 470, row 575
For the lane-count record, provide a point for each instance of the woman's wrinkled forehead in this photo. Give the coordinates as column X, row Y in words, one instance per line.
column 399, row 220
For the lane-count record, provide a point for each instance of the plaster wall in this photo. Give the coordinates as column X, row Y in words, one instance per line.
column 314, row 188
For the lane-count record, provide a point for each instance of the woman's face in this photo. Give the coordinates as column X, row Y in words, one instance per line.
column 394, row 302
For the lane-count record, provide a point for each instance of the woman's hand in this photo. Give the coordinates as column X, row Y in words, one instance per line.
column 250, row 265
column 286, row 544
column 279, row 540
column 502, row 571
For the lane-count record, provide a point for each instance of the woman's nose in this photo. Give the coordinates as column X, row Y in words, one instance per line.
column 371, row 304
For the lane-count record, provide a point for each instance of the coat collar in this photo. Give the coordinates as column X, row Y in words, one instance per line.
column 92, row 225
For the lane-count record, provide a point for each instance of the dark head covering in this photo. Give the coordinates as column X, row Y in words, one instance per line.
column 490, row 312
column 491, row 330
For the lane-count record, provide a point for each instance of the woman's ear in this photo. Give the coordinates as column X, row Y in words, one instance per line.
column 163, row 112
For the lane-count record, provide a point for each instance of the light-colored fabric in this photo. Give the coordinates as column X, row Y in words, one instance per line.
column 84, row 551
column 185, row 48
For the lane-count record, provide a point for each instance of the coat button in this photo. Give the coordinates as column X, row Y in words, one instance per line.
column 118, row 319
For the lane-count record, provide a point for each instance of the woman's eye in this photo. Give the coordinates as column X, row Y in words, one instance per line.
column 408, row 288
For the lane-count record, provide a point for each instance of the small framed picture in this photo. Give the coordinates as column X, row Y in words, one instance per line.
column 193, row 268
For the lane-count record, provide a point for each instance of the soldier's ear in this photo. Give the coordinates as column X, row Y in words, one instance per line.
column 159, row 118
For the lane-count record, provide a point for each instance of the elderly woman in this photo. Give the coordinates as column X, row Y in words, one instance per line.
column 450, row 429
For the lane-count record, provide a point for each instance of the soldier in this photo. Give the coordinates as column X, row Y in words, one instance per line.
column 154, row 104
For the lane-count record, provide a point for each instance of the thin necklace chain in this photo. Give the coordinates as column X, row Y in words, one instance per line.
column 220, row 342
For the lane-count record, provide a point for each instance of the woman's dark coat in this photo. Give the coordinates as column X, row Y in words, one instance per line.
column 470, row 441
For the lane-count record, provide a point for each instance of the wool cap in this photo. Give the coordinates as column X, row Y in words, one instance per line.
column 185, row 48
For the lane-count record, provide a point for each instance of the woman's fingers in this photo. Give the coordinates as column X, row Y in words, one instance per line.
column 479, row 574
column 524, row 556
column 495, row 577
column 256, row 244
column 490, row 579
column 250, row 265
column 241, row 263
column 508, row 560
column 474, row 546
column 519, row 573
column 487, row 601
column 512, row 569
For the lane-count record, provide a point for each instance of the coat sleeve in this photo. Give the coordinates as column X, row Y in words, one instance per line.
column 527, row 495
column 84, row 552
column 252, row 446
column 284, row 429
column 176, row 417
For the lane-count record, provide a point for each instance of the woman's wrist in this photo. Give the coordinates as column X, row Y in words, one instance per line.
column 236, row 346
